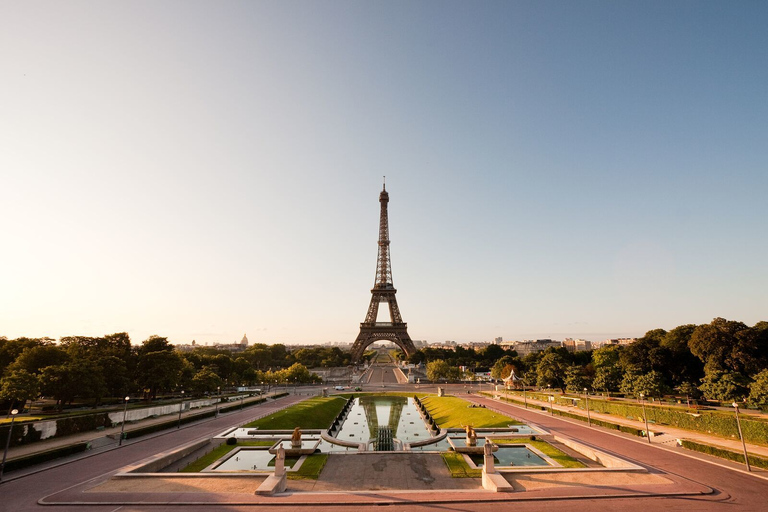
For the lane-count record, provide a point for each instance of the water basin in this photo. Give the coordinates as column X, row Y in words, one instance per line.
column 509, row 455
column 250, row 459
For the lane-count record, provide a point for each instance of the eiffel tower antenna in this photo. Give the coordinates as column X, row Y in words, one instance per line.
column 383, row 291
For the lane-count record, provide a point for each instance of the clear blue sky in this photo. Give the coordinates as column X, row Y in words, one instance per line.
column 199, row 170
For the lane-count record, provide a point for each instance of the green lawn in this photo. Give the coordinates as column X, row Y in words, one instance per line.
column 459, row 467
column 218, row 452
column 548, row 450
column 316, row 412
column 452, row 412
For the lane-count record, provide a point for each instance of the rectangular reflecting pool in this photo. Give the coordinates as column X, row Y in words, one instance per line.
column 510, row 455
column 252, row 459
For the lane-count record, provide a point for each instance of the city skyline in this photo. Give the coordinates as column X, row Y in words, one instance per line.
column 200, row 171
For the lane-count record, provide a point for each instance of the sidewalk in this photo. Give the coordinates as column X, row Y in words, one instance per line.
column 109, row 435
column 667, row 435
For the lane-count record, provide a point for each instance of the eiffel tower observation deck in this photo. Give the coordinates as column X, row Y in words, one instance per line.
column 383, row 291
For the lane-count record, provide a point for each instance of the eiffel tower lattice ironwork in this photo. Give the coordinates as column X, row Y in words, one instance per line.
column 383, row 291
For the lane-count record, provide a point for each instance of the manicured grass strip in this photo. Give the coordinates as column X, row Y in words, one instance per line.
column 209, row 458
column 316, row 412
column 547, row 449
column 311, row 467
column 217, row 453
column 459, row 467
column 754, row 460
column 452, row 412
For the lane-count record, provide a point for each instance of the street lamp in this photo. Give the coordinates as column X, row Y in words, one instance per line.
column 122, row 428
column 743, row 444
column 551, row 405
column 218, row 399
column 586, row 400
column 8, row 442
column 181, row 406
column 645, row 417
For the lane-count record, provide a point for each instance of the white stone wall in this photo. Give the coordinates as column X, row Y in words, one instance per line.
column 160, row 410
column 46, row 428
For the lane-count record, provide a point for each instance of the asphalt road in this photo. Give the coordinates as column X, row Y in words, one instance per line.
column 734, row 489
column 21, row 494
column 382, row 376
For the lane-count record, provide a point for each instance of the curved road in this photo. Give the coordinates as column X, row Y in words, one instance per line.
column 21, row 494
column 734, row 488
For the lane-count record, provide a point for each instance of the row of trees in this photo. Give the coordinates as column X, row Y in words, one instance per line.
column 109, row 366
column 723, row 360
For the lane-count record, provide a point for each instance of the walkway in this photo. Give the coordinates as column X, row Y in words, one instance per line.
column 109, row 436
column 664, row 434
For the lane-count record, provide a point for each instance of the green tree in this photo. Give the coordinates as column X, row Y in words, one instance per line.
column 576, row 379
column 19, row 386
column 158, row 371
column 758, row 390
column 627, row 386
column 10, row 350
column 551, row 369
column 717, row 346
column 35, row 358
column 723, row 386
column 650, row 384
column 437, row 370
column 76, row 378
column 605, row 362
column 206, row 381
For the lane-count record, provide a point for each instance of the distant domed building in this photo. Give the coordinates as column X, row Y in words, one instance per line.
column 244, row 341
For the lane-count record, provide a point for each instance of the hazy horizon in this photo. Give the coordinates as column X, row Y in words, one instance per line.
column 200, row 170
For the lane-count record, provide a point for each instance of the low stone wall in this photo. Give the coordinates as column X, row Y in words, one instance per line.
column 160, row 410
column 606, row 459
column 164, row 459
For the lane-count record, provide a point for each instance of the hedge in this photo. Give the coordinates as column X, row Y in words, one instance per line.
column 40, row 457
column 25, row 433
column 280, row 395
column 754, row 460
column 607, row 424
column 719, row 423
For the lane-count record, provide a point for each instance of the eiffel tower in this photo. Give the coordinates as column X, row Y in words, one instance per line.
column 383, row 291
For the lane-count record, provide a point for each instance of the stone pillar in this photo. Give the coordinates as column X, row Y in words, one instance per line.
column 440, row 391
column 280, row 462
column 488, row 457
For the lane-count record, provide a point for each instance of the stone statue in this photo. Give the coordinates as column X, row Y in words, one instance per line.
column 296, row 438
column 280, row 462
column 471, row 436
column 488, row 457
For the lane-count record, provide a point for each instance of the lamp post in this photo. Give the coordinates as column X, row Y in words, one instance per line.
column 242, row 401
column 122, row 428
column 645, row 417
column 181, row 406
column 743, row 444
column 218, row 399
column 586, row 401
column 551, row 405
column 8, row 442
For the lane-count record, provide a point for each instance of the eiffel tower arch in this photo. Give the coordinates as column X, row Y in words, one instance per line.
column 383, row 292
